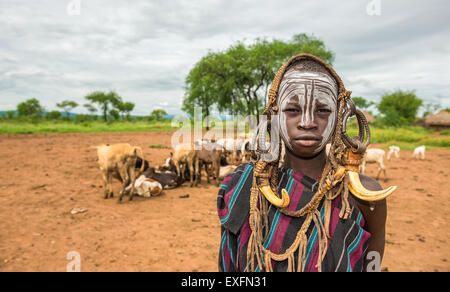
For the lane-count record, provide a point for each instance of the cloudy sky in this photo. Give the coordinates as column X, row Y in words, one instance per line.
column 53, row 51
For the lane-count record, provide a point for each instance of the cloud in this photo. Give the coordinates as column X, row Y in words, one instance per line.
column 144, row 50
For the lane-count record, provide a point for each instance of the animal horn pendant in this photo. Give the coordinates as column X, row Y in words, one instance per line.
column 355, row 186
column 266, row 190
column 282, row 202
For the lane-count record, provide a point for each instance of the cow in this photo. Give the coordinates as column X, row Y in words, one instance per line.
column 167, row 179
column 146, row 187
column 232, row 149
column 119, row 161
column 139, row 164
column 184, row 156
column 209, row 155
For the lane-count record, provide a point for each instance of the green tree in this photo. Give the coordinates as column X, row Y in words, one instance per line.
column 91, row 109
column 125, row 108
column 30, row 108
column 53, row 115
column 67, row 106
column 399, row 108
column 157, row 115
column 362, row 103
column 237, row 79
column 201, row 85
column 104, row 100
column 114, row 114
column 10, row 114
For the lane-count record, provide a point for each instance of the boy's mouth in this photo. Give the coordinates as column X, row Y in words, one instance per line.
column 307, row 140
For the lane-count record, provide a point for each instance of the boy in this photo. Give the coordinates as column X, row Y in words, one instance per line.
column 314, row 223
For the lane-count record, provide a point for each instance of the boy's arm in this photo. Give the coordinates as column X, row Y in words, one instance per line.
column 375, row 220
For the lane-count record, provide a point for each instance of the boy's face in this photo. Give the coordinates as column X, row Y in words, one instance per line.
column 308, row 111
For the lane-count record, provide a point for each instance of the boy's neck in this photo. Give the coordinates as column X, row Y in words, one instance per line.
column 312, row 167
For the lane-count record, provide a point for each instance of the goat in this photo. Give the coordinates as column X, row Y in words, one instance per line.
column 374, row 155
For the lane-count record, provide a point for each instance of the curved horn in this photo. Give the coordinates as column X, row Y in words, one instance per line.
column 358, row 190
column 282, row 202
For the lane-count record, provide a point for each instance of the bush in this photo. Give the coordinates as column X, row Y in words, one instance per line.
column 53, row 115
column 82, row 119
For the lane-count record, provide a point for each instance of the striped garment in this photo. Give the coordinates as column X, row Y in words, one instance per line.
column 346, row 248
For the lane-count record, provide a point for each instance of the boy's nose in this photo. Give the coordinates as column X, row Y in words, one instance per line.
column 307, row 123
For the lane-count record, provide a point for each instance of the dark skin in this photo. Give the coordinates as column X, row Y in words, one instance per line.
column 303, row 157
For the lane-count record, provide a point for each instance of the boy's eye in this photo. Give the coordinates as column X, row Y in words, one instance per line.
column 292, row 109
column 323, row 110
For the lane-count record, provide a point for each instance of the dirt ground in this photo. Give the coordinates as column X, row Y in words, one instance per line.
column 44, row 177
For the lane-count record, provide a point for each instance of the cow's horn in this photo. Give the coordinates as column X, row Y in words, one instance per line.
column 359, row 191
column 282, row 202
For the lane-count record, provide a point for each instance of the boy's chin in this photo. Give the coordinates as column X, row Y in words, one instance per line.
column 306, row 152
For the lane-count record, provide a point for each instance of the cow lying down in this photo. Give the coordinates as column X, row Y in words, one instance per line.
column 146, row 187
column 152, row 182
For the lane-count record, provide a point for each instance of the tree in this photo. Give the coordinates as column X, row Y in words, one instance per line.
column 30, row 108
column 104, row 100
column 53, row 115
column 91, row 109
column 125, row 108
column 399, row 108
column 114, row 114
column 237, row 80
column 10, row 114
column 201, row 87
column 430, row 108
column 67, row 106
column 157, row 115
column 362, row 103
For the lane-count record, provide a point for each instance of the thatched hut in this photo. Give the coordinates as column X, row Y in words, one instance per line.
column 369, row 117
column 439, row 121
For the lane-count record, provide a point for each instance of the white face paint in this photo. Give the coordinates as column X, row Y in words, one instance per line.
column 307, row 90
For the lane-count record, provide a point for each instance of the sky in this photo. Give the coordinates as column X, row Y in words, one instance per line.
column 59, row 50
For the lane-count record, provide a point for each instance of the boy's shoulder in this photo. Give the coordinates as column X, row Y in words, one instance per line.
column 233, row 178
column 233, row 200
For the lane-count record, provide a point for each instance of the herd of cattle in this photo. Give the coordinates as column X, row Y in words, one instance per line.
column 219, row 158
column 126, row 163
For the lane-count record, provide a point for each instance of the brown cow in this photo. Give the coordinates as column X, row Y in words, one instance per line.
column 119, row 161
column 184, row 156
column 209, row 155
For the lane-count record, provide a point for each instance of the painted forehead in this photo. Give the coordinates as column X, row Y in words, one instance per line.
column 306, row 85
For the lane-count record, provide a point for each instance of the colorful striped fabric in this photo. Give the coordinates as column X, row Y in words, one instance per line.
column 346, row 249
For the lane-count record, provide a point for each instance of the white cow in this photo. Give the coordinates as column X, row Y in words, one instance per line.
column 146, row 187
column 419, row 152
